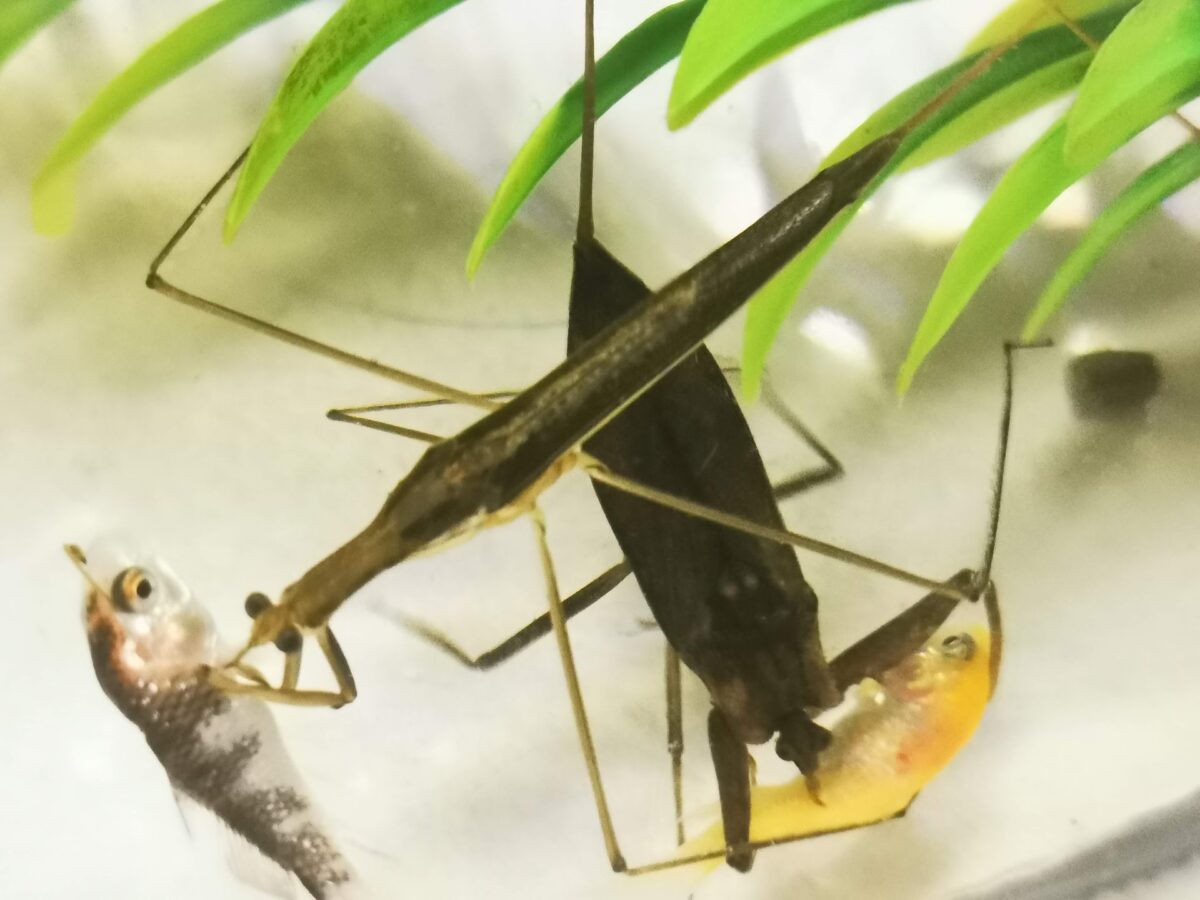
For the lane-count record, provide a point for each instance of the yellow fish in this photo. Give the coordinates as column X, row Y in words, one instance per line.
column 899, row 734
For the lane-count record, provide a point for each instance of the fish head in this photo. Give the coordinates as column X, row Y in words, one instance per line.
column 163, row 629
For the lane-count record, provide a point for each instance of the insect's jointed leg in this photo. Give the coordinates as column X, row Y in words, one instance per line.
column 156, row 282
column 602, row 473
column 675, row 735
column 583, row 598
column 898, row 638
column 587, row 745
column 732, row 763
column 354, row 415
column 830, row 468
column 227, row 680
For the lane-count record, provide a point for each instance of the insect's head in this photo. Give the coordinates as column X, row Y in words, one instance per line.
column 272, row 624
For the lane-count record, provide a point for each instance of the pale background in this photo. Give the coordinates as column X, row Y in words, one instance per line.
column 207, row 445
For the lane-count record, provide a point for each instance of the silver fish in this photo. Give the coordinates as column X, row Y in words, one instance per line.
column 152, row 647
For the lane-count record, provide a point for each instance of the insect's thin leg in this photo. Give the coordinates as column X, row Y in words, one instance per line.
column 898, row 638
column 226, row 678
column 351, row 416
column 230, row 685
column 602, row 473
column 577, row 708
column 991, row 605
column 989, row 553
column 291, row 669
column 338, row 664
column 831, row 467
column 354, row 415
column 424, row 403
column 252, row 673
column 753, row 846
column 732, row 764
column 583, row 598
column 156, row 282
column 675, row 736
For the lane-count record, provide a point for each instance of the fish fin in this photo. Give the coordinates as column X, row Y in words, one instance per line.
column 247, row 864
column 251, row 867
column 180, row 800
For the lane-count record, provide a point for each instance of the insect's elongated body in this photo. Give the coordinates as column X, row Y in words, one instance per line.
column 460, row 482
column 152, row 647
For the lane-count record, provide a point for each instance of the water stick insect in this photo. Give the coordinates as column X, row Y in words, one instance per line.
column 493, row 471
column 736, row 609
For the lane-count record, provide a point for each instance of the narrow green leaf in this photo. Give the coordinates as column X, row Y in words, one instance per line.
column 1149, row 66
column 633, row 59
column 1027, row 188
column 1006, row 105
column 1025, row 16
column 19, row 19
column 732, row 38
column 1031, row 70
column 1164, row 178
column 357, row 33
column 192, row 42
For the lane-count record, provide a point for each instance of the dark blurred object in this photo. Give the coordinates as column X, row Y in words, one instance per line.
column 1112, row 384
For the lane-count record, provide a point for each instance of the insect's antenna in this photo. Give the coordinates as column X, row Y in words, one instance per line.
column 989, row 553
column 586, row 227
column 160, row 285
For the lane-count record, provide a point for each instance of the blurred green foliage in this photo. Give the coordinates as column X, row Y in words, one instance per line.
column 1130, row 63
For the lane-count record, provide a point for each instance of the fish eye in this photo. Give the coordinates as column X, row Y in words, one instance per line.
column 130, row 588
column 959, row 646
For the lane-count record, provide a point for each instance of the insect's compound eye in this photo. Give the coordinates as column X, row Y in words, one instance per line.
column 959, row 646
column 256, row 604
column 289, row 640
column 130, row 589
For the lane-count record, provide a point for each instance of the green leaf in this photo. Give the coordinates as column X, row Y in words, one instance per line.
column 192, row 42
column 1030, row 70
column 732, row 38
column 1006, row 105
column 357, row 33
column 1027, row 188
column 1149, row 66
column 1025, row 16
column 632, row 60
column 1164, row 178
column 19, row 19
